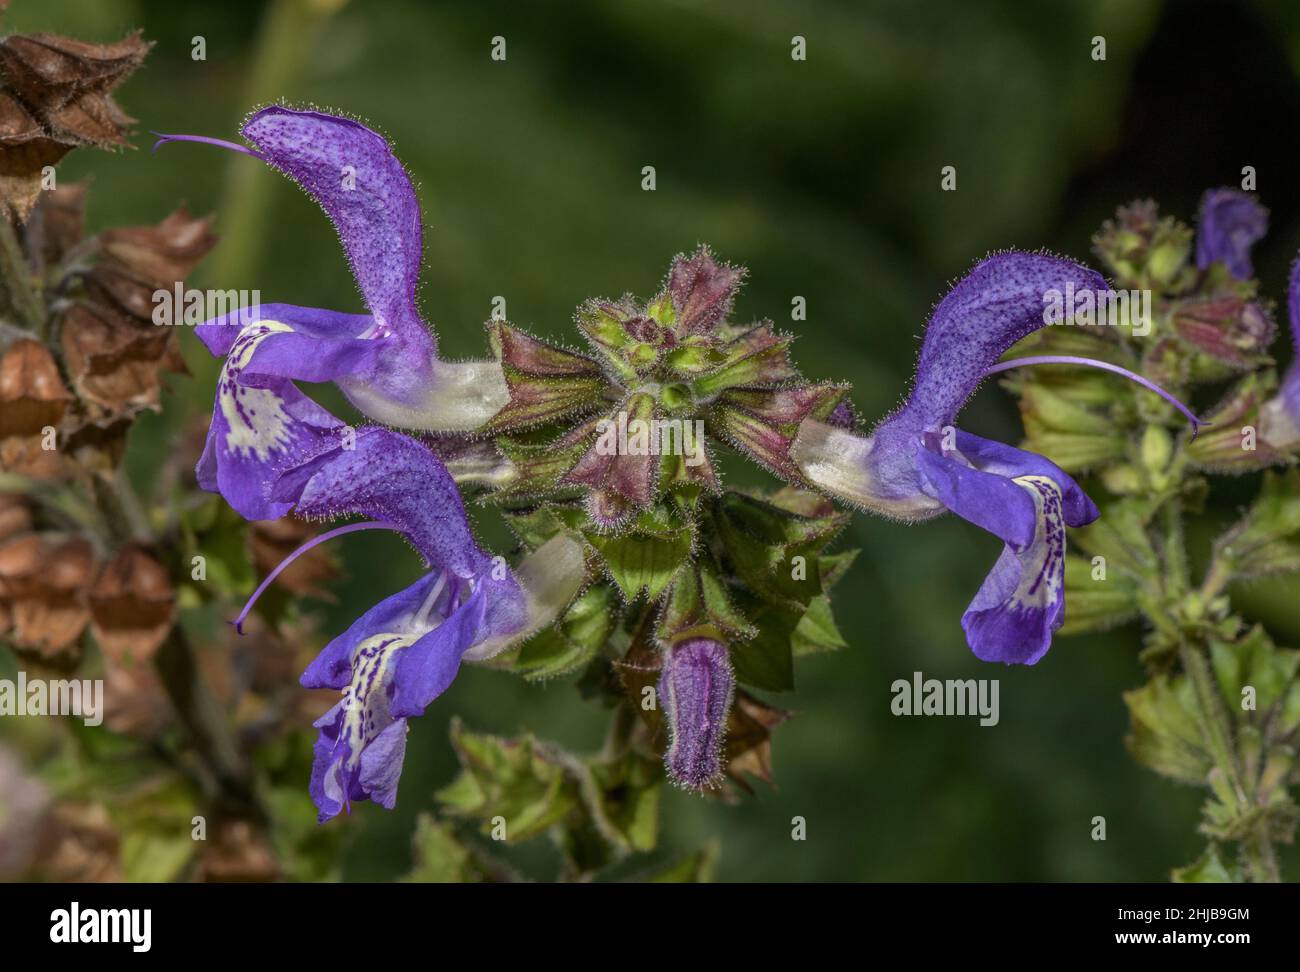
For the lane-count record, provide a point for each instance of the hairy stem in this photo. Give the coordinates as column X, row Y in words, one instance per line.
column 1175, row 549
column 21, row 289
column 1216, row 729
column 1260, row 859
column 1217, row 577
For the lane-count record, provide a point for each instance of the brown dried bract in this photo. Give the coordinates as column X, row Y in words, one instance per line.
column 43, row 580
column 33, row 400
column 55, row 94
column 238, row 851
column 135, row 701
column 57, row 224
column 114, row 363
column 132, row 606
column 749, row 739
column 164, row 253
column 79, row 844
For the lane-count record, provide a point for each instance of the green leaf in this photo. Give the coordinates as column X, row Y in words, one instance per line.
column 535, row 526
column 1209, row 868
column 156, row 825
column 625, row 800
column 766, row 661
column 836, row 565
column 519, row 783
column 1267, row 539
column 155, row 858
column 699, row 605
column 1096, row 604
column 643, row 563
column 695, row 868
column 1120, row 535
column 306, row 850
column 1166, row 734
column 581, row 633
column 774, row 551
column 816, row 630
column 438, row 856
column 217, row 533
column 1253, row 661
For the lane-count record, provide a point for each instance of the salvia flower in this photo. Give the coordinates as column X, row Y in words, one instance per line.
column 403, row 653
column 695, row 691
column 1279, row 418
column 385, row 361
column 1231, row 222
column 916, row 464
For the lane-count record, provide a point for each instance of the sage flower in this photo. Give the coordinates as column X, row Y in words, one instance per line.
column 401, row 654
column 1279, row 417
column 385, row 361
column 1231, row 222
column 695, row 689
column 916, row 464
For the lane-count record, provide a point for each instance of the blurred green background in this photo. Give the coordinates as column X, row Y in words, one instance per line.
column 822, row 177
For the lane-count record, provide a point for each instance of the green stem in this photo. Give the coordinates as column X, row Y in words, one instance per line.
column 17, row 276
column 1257, row 847
column 1216, row 729
column 1176, row 573
column 1261, row 861
column 1217, row 577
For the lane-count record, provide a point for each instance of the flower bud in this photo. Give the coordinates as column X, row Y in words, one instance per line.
column 702, row 291
column 695, row 689
column 1230, row 330
column 1141, row 248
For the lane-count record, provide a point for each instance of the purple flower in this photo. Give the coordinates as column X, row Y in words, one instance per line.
column 385, row 361
column 1279, row 418
column 403, row 653
column 916, row 464
column 1231, row 222
column 695, row 688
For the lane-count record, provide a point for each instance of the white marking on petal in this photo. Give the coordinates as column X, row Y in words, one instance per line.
column 1042, row 563
column 255, row 417
column 365, row 700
